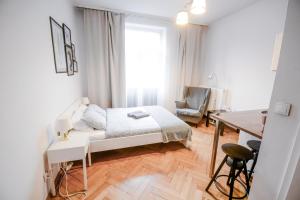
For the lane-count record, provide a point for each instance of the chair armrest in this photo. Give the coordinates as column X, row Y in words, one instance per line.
column 180, row 104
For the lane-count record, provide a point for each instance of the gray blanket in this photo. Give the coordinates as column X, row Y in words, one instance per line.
column 173, row 128
column 118, row 124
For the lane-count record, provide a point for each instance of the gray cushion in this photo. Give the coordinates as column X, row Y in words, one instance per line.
column 196, row 97
column 189, row 112
column 180, row 104
column 94, row 119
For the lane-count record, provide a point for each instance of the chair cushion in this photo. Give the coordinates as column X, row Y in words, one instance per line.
column 196, row 97
column 189, row 112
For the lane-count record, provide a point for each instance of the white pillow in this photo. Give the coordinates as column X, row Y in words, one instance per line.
column 82, row 126
column 94, row 119
column 78, row 113
column 78, row 123
column 97, row 109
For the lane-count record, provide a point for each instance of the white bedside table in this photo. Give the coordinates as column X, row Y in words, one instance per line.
column 75, row 148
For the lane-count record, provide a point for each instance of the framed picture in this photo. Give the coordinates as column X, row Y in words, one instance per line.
column 58, row 46
column 73, row 50
column 69, row 60
column 67, row 35
column 75, row 66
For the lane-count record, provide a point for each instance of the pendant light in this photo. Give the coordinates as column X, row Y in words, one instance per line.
column 182, row 18
column 198, row 7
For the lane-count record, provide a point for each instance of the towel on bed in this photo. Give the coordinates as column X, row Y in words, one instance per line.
column 138, row 114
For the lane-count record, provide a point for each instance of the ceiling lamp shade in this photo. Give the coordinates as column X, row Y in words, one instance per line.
column 198, row 7
column 182, row 18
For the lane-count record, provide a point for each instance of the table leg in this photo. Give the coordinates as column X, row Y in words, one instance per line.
column 221, row 129
column 84, row 173
column 215, row 148
column 90, row 157
column 52, row 185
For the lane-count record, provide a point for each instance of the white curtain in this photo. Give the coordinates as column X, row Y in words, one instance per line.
column 161, row 71
column 190, row 56
column 105, row 46
column 145, row 63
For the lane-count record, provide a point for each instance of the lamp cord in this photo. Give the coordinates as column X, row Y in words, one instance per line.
column 67, row 195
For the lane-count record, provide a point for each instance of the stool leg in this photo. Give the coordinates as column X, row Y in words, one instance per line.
column 231, row 173
column 253, row 165
column 228, row 179
column 239, row 172
column 235, row 176
column 216, row 173
column 246, row 177
column 232, row 178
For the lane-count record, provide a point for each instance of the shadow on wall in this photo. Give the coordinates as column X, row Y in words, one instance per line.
column 46, row 137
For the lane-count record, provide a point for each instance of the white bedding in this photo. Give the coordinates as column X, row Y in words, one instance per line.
column 148, row 124
column 99, row 142
column 156, row 128
column 93, row 135
column 120, row 125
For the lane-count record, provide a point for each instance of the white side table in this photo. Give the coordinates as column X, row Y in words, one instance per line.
column 75, row 148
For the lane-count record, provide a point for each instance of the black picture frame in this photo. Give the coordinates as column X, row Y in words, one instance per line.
column 73, row 51
column 57, row 37
column 74, row 58
column 69, row 60
column 75, row 64
column 67, row 35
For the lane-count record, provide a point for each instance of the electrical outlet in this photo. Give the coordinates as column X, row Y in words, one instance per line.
column 282, row 108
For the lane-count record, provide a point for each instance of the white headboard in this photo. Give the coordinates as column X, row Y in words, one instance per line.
column 52, row 134
column 71, row 109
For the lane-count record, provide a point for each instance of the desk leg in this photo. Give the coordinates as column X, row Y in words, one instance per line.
column 84, row 173
column 221, row 129
column 215, row 148
column 90, row 157
column 52, row 185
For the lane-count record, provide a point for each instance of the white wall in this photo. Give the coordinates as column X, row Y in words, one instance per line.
column 32, row 94
column 239, row 51
column 280, row 150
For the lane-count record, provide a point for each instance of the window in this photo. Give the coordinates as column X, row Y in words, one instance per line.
column 145, row 60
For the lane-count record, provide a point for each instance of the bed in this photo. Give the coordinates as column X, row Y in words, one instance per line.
column 122, row 131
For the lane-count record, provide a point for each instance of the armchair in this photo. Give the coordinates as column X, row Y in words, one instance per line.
column 194, row 104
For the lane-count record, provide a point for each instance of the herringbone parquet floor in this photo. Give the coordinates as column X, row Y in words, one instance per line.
column 159, row 171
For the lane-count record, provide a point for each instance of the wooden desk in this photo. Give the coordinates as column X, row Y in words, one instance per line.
column 248, row 121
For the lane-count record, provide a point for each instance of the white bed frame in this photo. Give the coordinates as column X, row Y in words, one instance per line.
column 117, row 143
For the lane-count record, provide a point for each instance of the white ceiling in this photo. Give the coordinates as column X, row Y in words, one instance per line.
column 216, row 9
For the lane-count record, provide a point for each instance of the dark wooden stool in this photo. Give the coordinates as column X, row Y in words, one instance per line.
column 236, row 158
column 255, row 146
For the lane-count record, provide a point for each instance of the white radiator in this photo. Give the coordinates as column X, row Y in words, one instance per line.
column 218, row 99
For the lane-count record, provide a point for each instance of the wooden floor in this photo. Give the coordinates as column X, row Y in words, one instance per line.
column 159, row 171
